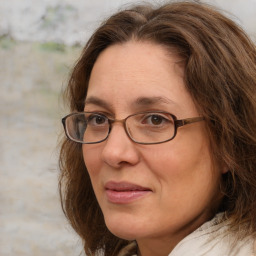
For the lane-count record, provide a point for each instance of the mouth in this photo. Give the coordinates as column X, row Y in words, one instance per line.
column 124, row 192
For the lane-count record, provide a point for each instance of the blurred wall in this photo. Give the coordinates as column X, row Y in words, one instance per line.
column 71, row 21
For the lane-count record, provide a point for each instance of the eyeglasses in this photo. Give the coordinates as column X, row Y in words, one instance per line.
column 143, row 128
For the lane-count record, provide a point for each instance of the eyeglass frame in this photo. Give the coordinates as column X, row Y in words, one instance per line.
column 177, row 123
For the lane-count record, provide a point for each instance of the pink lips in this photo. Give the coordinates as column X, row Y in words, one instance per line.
column 124, row 192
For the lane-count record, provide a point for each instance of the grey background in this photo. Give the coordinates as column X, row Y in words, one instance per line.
column 33, row 74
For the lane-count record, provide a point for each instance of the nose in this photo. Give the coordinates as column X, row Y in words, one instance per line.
column 119, row 149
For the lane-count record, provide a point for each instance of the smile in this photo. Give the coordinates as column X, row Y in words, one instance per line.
column 123, row 192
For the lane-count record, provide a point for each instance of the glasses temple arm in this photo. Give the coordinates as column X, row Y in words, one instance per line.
column 186, row 121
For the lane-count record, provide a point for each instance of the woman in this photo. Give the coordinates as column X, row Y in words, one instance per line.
column 160, row 155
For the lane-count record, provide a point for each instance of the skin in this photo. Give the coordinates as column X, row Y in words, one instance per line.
column 183, row 183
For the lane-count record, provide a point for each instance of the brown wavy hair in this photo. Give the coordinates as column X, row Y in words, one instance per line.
column 220, row 74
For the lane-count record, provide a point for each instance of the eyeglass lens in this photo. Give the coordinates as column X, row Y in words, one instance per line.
column 142, row 128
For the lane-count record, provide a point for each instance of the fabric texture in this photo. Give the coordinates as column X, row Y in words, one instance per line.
column 211, row 239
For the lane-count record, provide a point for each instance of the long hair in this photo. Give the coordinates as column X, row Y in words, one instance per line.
column 220, row 75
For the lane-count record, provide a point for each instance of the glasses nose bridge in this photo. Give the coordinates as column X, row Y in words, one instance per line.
column 122, row 121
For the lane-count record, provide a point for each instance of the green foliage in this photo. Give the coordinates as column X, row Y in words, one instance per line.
column 7, row 42
column 53, row 47
column 55, row 15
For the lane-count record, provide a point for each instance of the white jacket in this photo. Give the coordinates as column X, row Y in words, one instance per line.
column 211, row 239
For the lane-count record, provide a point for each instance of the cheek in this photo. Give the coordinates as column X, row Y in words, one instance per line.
column 187, row 182
column 93, row 164
column 181, row 167
column 92, row 160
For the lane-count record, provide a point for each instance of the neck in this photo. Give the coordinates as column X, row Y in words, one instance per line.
column 156, row 247
column 163, row 245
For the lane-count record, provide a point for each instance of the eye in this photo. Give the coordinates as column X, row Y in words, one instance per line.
column 155, row 119
column 97, row 119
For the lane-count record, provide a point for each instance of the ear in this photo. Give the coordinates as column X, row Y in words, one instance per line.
column 224, row 168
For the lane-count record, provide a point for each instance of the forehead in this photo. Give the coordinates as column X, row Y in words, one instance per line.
column 125, row 72
column 130, row 67
column 136, row 59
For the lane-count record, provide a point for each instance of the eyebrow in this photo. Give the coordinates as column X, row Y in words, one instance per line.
column 148, row 101
column 140, row 102
column 98, row 102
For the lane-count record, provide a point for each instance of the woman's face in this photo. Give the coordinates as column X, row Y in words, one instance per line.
column 148, row 192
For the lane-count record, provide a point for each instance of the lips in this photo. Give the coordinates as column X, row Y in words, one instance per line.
column 124, row 192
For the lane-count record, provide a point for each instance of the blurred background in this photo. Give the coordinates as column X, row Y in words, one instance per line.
column 39, row 43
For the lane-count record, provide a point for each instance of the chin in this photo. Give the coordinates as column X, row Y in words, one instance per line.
column 122, row 231
column 123, row 234
column 124, row 228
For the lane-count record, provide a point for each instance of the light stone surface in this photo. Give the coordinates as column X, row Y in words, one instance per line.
column 32, row 75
